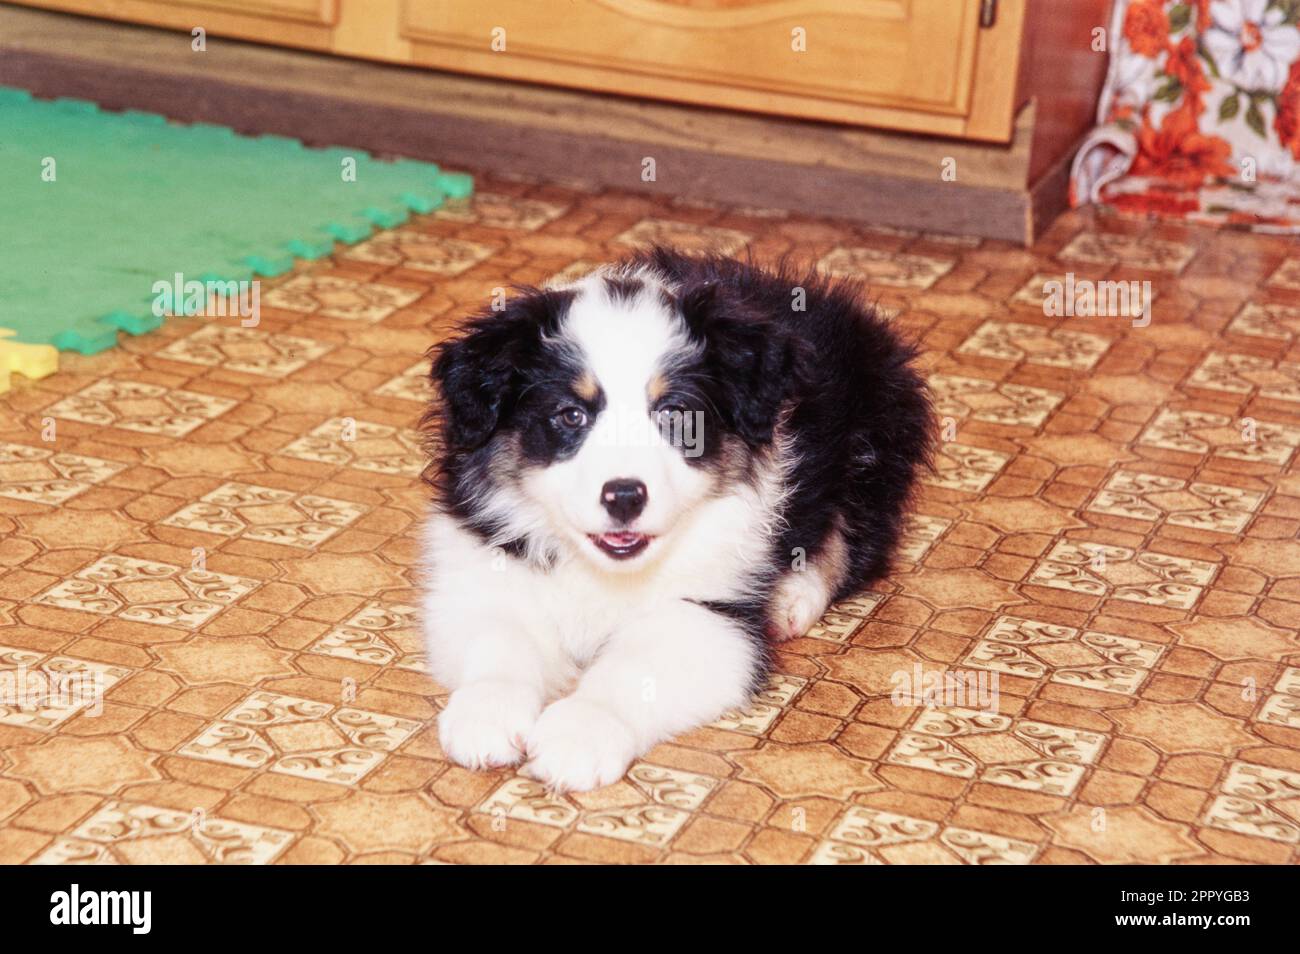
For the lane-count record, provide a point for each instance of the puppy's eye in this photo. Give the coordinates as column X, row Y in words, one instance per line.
column 668, row 413
column 571, row 417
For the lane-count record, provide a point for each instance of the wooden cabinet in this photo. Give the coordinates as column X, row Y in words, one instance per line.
column 907, row 63
column 939, row 66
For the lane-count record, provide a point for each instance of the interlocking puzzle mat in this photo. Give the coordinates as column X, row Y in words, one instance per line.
column 29, row 360
column 96, row 207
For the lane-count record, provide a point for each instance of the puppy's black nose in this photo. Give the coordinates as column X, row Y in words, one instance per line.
column 624, row 498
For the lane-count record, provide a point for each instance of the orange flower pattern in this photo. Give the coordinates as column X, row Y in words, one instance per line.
column 1287, row 123
column 1146, row 27
column 1180, row 153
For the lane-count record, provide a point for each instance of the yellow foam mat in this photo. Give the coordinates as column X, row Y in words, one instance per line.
column 29, row 360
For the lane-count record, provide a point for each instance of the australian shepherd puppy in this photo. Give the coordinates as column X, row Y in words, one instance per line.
column 645, row 477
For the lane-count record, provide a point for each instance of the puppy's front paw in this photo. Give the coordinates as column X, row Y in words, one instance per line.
column 485, row 723
column 578, row 746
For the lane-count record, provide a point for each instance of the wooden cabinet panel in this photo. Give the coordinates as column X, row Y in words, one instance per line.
column 322, row 12
column 307, row 11
column 306, row 23
column 901, row 54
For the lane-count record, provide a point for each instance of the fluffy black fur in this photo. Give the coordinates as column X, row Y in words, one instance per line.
column 857, row 414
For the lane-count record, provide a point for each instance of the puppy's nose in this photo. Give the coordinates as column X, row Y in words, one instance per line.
column 624, row 498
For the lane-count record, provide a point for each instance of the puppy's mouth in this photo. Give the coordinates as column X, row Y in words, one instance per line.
column 620, row 546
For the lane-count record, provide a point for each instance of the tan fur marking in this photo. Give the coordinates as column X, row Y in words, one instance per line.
column 832, row 563
column 586, row 387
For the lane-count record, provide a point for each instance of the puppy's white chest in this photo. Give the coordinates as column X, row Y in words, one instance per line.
column 578, row 614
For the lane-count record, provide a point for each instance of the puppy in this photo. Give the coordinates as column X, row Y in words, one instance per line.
column 644, row 477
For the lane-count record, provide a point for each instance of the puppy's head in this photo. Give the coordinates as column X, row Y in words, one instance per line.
column 596, row 418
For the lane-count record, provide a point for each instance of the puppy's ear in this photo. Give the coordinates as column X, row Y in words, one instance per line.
column 474, row 374
column 478, row 373
column 749, row 357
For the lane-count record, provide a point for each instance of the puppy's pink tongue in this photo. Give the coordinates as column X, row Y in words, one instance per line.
column 620, row 539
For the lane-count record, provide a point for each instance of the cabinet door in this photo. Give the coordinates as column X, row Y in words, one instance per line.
column 851, row 60
column 307, row 23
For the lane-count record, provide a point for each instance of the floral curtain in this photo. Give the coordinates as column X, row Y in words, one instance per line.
column 1200, row 115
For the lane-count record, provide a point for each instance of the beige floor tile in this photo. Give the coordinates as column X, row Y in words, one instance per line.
column 268, row 515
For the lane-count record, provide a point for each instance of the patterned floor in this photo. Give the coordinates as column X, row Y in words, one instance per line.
column 221, row 534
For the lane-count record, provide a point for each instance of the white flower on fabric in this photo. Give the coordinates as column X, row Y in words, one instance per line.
column 1251, row 45
column 1135, row 81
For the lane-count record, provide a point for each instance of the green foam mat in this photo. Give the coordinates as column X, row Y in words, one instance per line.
column 136, row 199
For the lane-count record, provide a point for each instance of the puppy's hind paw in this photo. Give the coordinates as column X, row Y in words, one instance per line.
column 799, row 601
column 485, row 723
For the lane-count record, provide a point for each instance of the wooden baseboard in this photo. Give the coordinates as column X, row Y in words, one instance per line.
column 1049, row 196
column 820, row 169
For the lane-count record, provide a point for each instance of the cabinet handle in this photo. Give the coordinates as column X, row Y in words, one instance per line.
column 988, row 13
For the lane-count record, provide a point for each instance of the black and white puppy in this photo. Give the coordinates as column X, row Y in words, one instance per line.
column 644, row 477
